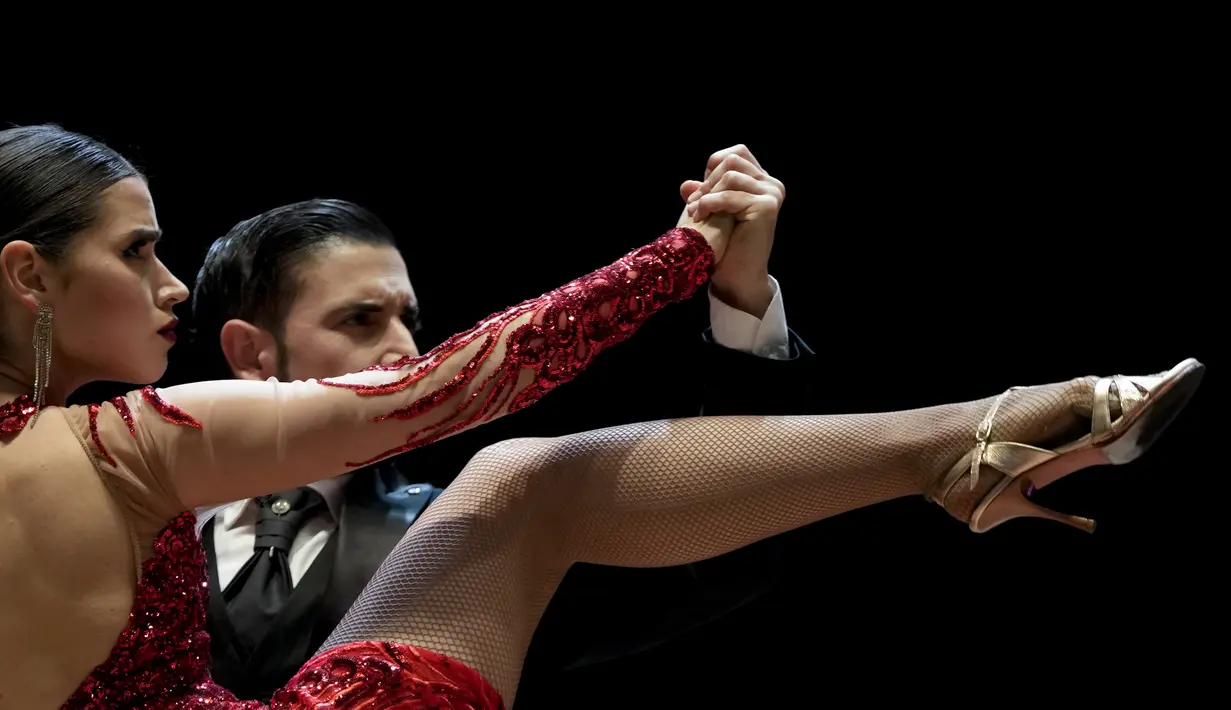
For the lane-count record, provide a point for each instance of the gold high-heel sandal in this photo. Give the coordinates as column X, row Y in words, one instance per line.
column 1147, row 407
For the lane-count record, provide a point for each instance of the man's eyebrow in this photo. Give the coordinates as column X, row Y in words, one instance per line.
column 410, row 312
column 413, row 315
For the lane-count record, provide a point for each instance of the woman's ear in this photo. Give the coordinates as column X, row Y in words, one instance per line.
column 23, row 273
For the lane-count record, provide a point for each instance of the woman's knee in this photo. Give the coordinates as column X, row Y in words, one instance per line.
column 509, row 476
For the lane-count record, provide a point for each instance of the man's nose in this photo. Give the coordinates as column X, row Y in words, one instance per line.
column 401, row 344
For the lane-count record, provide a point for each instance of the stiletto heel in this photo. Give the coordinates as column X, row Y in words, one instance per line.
column 1011, row 499
column 1147, row 406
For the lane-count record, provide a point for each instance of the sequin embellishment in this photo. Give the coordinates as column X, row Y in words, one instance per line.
column 14, row 415
column 168, row 411
column 161, row 659
column 570, row 326
column 386, row 675
column 122, row 407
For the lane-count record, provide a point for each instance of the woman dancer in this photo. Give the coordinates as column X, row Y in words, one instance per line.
column 104, row 576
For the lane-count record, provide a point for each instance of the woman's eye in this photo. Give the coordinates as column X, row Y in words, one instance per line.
column 136, row 251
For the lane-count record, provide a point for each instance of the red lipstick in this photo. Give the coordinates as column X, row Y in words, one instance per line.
column 168, row 330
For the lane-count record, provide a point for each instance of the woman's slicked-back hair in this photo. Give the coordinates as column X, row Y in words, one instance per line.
column 50, row 182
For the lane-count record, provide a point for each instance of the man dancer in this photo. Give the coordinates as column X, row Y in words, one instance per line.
column 317, row 289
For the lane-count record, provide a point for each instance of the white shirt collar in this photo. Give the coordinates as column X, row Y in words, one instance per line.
column 231, row 515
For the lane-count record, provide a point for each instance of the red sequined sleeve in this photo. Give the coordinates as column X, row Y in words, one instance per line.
column 226, row 440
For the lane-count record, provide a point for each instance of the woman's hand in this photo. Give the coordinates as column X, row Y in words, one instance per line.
column 716, row 229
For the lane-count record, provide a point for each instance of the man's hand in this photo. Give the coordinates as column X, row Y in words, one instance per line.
column 716, row 230
column 735, row 184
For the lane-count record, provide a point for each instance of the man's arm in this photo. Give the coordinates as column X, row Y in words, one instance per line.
column 775, row 368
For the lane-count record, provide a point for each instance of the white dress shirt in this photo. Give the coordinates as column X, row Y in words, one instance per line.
column 235, row 533
column 235, row 524
column 765, row 337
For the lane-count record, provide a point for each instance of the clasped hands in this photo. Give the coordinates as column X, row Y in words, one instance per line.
column 735, row 206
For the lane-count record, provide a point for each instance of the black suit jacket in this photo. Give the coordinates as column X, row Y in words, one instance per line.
column 599, row 613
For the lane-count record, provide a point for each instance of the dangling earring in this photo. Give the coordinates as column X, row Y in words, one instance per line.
column 42, row 357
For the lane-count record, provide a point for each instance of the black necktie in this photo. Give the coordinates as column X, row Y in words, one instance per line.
column 263, row 585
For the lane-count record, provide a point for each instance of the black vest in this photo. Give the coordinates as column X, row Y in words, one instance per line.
column 378, row 507
column 290, row 641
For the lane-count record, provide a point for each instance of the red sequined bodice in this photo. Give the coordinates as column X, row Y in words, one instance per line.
column 161, row 660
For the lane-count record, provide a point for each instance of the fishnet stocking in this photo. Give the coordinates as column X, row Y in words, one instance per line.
column 472, row 577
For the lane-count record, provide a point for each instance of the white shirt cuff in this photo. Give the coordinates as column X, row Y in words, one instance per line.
column 765, row 337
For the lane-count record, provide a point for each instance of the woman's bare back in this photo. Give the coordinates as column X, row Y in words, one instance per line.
column 67, row 562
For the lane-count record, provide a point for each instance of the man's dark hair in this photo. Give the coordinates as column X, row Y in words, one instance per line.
column 251, row 273
column 50, row 183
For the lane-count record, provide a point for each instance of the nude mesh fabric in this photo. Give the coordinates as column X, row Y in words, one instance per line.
column 472, row 577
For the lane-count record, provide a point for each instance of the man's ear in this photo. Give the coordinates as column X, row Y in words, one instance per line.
column 23, row 273
column 251, row 352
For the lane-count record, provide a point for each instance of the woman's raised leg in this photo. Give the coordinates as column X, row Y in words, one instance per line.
column 473, row 575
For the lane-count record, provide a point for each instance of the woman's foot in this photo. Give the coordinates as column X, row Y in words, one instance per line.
column 1029, row 437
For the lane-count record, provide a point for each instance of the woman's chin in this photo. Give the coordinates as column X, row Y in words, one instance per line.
column 147, row 373
column 127, row 368
column 155, row 376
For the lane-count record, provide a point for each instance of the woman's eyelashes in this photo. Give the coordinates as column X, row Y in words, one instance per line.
column 139, row 249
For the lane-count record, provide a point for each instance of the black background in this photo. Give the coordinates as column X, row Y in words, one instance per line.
column 934, row 247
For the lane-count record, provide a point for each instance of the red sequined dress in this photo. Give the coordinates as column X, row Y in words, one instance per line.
column 153, row 444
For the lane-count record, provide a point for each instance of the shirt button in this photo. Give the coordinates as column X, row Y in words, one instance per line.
column 280, row 506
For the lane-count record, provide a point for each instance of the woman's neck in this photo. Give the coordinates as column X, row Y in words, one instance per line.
column 16, row 381
column 12, row 383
